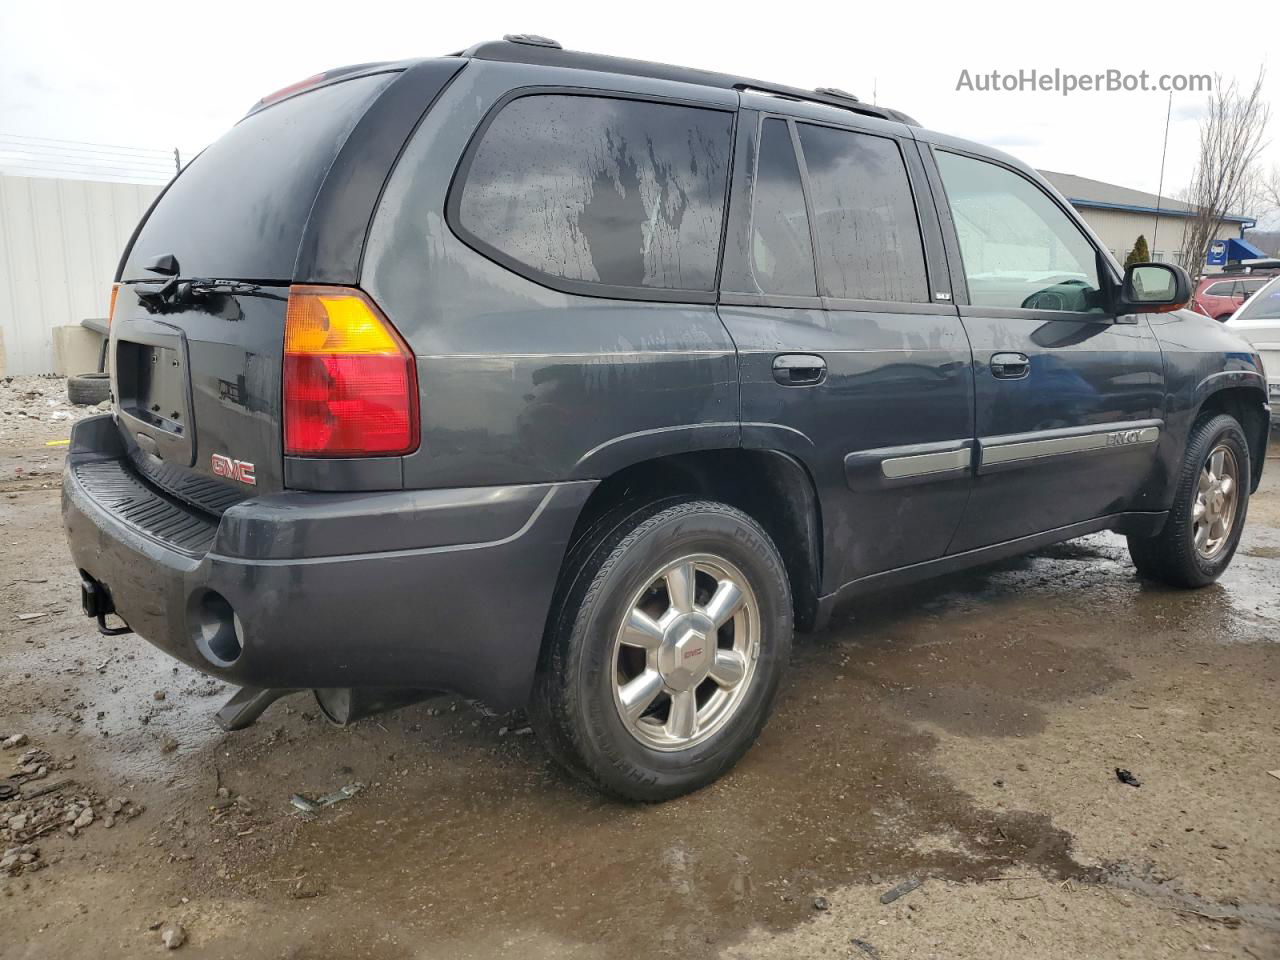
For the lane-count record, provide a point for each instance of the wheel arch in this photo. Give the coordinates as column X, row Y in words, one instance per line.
column 772, row 487
column 1246, row 400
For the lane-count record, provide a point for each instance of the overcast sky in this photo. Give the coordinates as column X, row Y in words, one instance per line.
column 163, row 74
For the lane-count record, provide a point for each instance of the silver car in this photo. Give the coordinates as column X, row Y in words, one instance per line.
column 1258, row 321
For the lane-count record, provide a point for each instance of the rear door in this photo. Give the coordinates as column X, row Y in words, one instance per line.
column 1069, row 397
column 851, row 355
column 1221, row 297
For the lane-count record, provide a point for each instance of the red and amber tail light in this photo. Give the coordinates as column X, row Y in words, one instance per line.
column 350, row 381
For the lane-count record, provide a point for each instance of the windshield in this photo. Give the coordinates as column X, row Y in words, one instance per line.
column 1263, row 305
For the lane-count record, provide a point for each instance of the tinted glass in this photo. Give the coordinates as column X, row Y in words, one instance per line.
column 1265, row 306
column 1248, row 287
column 602, row 190
column 869, row 243
column 239, row 208
column 1223, row 289
column 1019, row 248
column 781, row 248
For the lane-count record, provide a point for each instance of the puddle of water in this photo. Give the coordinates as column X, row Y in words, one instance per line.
column 839, row 789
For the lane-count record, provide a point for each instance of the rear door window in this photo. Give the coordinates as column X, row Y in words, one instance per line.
column 869, row 245
column 1223, row 289
column 583, row 192
column 238, row 209
column 781, row 246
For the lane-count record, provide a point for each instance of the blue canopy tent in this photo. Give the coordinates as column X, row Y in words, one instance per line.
column 1232, row 250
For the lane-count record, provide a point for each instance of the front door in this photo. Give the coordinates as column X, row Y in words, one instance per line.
column 847, row 360
column 1069, row 397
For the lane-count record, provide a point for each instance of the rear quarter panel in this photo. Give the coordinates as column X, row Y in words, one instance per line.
column 521, row 383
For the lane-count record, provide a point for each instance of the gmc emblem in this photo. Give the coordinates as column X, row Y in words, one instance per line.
column 240, row 470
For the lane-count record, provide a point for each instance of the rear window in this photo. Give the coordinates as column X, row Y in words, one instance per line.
column 239, row 209
column 580, row 191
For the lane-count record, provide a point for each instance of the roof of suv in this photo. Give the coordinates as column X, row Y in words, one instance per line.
column 537, row 51
column 521, row 48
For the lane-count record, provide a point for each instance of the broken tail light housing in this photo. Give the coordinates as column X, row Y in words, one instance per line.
column 350, row 381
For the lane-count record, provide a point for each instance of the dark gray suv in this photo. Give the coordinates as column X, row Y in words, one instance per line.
column 569, row 382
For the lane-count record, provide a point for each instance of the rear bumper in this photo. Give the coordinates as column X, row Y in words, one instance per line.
column 435, row 589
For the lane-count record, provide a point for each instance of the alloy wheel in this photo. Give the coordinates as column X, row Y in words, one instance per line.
column 685, row 653
column 1214, row 512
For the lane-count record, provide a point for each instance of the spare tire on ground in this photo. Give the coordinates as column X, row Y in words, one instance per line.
column 88, row 389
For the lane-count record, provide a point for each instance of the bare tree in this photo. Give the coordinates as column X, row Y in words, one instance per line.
column 1269, row 192
column 1232, row 136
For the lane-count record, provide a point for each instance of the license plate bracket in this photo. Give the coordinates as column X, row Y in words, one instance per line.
column 152, row 380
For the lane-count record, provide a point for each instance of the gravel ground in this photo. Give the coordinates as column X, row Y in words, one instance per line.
column 35, row 421
column 964, row 733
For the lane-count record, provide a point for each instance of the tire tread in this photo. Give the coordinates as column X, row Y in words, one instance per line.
column 1170, row 557
column 557, row 705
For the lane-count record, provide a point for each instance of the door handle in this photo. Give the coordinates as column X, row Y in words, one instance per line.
column 799, row 369
column 1010, row 366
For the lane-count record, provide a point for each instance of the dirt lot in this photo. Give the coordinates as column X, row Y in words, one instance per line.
column 964, row 733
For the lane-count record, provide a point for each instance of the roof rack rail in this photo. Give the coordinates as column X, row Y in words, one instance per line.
column 524, row 48
column 836, row 92
column 533, row 40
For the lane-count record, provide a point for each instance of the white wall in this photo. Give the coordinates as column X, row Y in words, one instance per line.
column 60, row 241
column 1118, row 229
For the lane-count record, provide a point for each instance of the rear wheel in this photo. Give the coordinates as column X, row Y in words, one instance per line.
column 1202, row 532
column 663, row 657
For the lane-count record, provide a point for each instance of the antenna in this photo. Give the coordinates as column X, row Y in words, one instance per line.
column 1155, row 231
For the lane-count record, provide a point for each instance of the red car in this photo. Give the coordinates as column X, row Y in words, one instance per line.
column 1220, row 295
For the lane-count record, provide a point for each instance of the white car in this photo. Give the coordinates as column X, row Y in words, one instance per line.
column 1258, row 321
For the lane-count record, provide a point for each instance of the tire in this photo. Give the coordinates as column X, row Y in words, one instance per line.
column 88, row 389
column 577, row 704
column 1172, row 556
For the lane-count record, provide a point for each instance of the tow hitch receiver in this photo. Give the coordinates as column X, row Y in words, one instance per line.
column 95, row 600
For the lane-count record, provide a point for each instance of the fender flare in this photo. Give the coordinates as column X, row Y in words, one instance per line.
column 1226, row 380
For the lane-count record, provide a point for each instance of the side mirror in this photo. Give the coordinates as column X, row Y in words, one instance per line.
column 1154, row 288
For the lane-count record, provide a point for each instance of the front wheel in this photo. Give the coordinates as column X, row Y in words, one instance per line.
column 671, row 633
column 1203, row 529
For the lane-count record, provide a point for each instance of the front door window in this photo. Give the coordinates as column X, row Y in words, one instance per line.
column 1019, row 248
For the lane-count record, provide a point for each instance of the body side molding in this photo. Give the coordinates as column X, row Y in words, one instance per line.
column 910, row 464
column 1020, row 449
